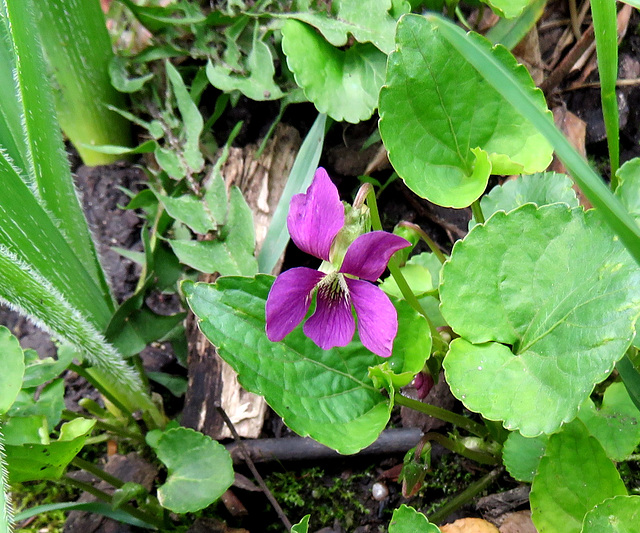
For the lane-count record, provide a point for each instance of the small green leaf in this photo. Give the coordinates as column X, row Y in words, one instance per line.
column 200, row 470
column 574, row 475
column 521, row 455
column 344, row 85
column 508, row 8
column 34, row 461
column 120, row 77
column 323, row 394
column 12, row 369
column 620, row 514
column 628, row 189
column 49, row 402
column 302, row 526
column 407, row 520
column 616, row 424
column 446, row 128
column 543, row 188
column 545, row 301
column 170, row 162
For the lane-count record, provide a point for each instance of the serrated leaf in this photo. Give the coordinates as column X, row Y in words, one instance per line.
column 543, row 188
column 521, row 455
column 35, row 461
column 323, row 394
column 616, row 424
column 407, row 520
column 344, row 85
column 446, row 129
column 545, row 301
column 574, row 475
column 620, row 514
column 200, row 470
column 628, row 189
column 12, row 369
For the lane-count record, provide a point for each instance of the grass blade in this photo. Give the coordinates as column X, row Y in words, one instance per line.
column 299, row 179
column 6, row 511
column 477, row 51
column 509, row 32
column 606, row 31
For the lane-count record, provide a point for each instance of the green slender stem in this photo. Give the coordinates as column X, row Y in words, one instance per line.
column 442, row 414
column 477, row 212
column 98, row 472
column 425, row 237
column 111, row 428
column 461, row 449
column 466, row 495
column 103, row 496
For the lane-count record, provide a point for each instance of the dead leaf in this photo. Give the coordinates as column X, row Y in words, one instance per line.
column 519, row 522
column 470, row 525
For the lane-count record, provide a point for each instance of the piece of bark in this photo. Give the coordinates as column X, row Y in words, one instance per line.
column 212, row 382
column 494, row 505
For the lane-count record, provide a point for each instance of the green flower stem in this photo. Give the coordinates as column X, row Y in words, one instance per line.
column 98, row 472
column 466, row 495
column 477, row 212
column 111, row 428
column 442, row 414
column 430, row 243
column 461, row 449
column 103, row 496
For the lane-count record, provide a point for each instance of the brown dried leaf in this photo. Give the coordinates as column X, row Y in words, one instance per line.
column 470, row 525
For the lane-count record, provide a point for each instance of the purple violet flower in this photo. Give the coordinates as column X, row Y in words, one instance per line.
column 314, row 221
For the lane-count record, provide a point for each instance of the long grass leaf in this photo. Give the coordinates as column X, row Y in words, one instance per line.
column 606, row 32
column 477, row 51
column 6, row 510
column 299, row 179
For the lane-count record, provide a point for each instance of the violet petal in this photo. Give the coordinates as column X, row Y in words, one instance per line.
column 332, row 323
column 316, row 217
column 377, row 317
column 369, row 254
column 289, row 300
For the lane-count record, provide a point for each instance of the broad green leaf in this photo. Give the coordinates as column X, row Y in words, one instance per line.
column 200, row 470
column 302, row 526
column 545, row 301
column 541, row 189
column 407, row 520
column 521, row 455
column 446, row 129
column 366, row 20
column 48, row 402
column 12, row 369
column 191, row 118
column 628, row 190
column 616, row 424
column 323, row 394
column 35, row 461
column 574, row 475
column 257, row 83
column 232, row 253
column 620, row 514
column 344, row 85
column 6, row 510
column 508, row 8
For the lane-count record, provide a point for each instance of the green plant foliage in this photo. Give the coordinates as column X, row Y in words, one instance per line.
column 539, row 295
column 446, row 128
column 574, row 475
column 33, row 460
column 323, row 394
column 12, row 369
column 38, row 371
column 47, row 402
column 6, row 510
column 508, row 8
column 302, row 526
column 541, row 189
column 200, row 470
column 120, row 78
column 407, row 520
column 628, row 190
column 620, row 514
column 232, row 252
column 521, row 455
column 344, row 85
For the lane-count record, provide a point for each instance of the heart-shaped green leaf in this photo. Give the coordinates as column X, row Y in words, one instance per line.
column 407, row 520
column 325, row 394
column 12, row 369
column 545, row 301
column 445, row 127
column 620, row 514
column 543, row 188
column 200, row 470
column 574, row 475
column 521, row 455
column 344, row 85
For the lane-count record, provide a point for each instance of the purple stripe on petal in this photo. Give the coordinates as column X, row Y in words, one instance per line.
column 289, row 300
column 316, row 217
column 377, row 317
column 368, row 255
column 332, row 323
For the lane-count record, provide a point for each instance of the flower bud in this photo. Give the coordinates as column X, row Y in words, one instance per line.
column 408, row 232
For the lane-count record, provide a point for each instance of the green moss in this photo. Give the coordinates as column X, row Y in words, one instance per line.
column 32, row 493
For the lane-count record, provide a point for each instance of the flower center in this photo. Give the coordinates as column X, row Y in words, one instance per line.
column 333, row 289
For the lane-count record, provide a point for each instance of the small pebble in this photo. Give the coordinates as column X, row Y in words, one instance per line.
column 379, row 491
